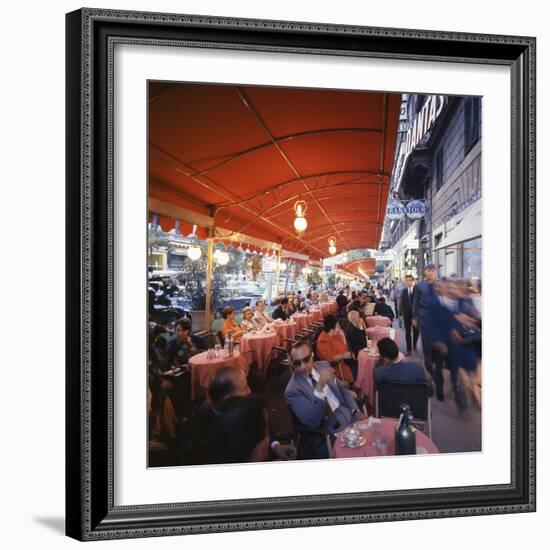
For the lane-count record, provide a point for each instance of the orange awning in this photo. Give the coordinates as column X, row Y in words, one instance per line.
column 244, row 155
column 359, row 266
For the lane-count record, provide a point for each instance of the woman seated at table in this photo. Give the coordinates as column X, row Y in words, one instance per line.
column 356, row 335
column 247, row 324
column 332, row 347
column 230, row 325
column 261, row 317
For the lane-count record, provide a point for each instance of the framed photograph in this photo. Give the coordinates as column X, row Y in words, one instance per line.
column 286, row 243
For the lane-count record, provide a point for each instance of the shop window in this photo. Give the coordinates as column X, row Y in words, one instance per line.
column 438, row 169
column 471, row 122
column 471, row 259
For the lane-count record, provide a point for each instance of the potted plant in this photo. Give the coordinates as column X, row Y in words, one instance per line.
column 194, row 289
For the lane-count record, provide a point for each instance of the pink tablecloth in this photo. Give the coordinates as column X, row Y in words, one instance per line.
column 378, row 321
column 302, row 320
column 424, row 445
column 260, row 344
column 377, row 333
column 365, row 374
column 325, row 309
column 202, row 370
column 317, row 314
column 285, row 330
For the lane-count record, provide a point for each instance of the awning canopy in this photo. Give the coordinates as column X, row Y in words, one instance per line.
column 244, row 155
column 360, row 267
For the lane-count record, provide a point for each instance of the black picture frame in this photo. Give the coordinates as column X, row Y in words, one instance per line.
column 90, row 511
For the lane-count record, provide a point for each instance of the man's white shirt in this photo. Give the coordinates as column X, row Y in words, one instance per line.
column 327, row 393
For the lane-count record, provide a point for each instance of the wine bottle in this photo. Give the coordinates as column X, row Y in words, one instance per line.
column 405, row 434
column 230, row 342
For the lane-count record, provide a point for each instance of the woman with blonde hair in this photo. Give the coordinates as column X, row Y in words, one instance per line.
column 247, row 324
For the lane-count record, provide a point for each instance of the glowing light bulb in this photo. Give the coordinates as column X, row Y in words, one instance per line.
column 194, row 253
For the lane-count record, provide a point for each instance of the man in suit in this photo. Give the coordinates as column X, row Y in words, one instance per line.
column 426, row 306
column 282, row 310
column 319, row 401
column 383, row 309
column 228, row 382
column 392, row 367
column 406, row 314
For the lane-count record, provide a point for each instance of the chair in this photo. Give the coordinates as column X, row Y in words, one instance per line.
column 278, row 370
column 391, row 395
column 304, row 435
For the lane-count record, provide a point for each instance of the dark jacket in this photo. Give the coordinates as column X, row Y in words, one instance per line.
column 406, row 303
column 313, row 412
column 279, row 313
column 356, row 338
column 383, row 309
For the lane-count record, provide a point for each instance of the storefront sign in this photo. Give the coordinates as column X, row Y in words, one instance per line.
column 415, row 210
column 424, row 121
column 395, row 210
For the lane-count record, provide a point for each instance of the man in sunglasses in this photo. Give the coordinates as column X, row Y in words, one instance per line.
column 320, row 403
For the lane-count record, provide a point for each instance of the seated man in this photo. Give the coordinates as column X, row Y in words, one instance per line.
column 282, row 310
column 392, row 366
column 383, row 309
column 320, row 403
column 261, row 317
column 227, row 382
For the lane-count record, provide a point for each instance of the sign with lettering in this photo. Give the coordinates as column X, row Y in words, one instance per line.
column 423, row 121
column 415, row 210
column 395, row 210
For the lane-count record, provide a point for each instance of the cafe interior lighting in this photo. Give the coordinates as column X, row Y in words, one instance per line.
column 300, row 222
column 332, row 246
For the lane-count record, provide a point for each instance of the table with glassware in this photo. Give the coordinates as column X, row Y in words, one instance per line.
column 260, row 343
column 376, row 437
column 204, row 365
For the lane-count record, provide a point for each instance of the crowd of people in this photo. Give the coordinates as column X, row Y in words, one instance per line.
column 234, row 424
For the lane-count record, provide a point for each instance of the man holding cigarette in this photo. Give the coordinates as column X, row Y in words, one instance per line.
column 320, row 403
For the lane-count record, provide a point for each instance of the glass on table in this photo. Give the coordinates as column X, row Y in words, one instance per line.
column 217, row 350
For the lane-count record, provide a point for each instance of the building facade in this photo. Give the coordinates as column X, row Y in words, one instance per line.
column 438, row 161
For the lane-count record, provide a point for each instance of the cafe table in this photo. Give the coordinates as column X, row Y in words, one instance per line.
column 381, row 430
column 325, row 309
column 377, row 333
column 378, row 321
column 317, row 314
column 286, row 329
column 260, row 344
column 203, row 369
column 302, row 320
column 365, row 374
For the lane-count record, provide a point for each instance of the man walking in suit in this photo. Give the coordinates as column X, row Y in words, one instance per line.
column 406, row 313
column 425, row 307
column 319, row 401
